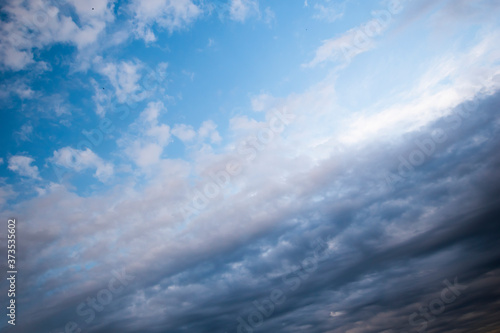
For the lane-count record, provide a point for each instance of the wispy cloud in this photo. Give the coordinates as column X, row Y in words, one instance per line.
column 240, row 10
column 357, row 40
column 170, row 15
column 329, row 11
column 25, row 132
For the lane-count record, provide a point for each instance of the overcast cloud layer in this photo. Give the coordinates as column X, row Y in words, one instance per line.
column 252, row 166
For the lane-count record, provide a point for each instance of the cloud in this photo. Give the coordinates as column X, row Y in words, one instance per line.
column 148, row 137
column 451, row 16
column 337, row 314
column 101, row 98
column 171, row 15
column 25, row 132
column 80, row 160
column 345, row 47
column 208, row 129
column 6, row 191
column 356, row 40
column 18, row 87
column 309, row 214
column 240, row 10
column 22, row 166
column 465, row 76
column 132, row 81
column 269, row 16
column 328, row 12
column 124, row 76
column 262, row 102
column 36, row 24
column 189, row 74
column 184, row 132
column 388, row 251
column 462, row 10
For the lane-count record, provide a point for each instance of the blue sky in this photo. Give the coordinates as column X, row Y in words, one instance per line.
column 204, row 146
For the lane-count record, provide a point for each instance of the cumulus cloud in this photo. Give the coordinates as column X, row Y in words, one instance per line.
column 36, row 24
column 80, row 160
column 184, row 132
column 22, row 166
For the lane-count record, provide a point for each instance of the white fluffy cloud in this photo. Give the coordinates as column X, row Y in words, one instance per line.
column 22, row 166
column 35, row 24
column 79, row 160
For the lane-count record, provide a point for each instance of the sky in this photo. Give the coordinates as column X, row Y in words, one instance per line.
column 251, row 165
